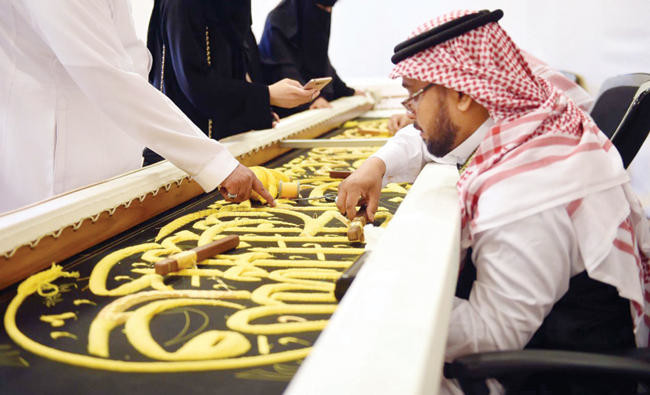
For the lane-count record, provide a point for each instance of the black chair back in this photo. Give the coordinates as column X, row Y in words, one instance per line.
column 633, row 129
column 614, row 98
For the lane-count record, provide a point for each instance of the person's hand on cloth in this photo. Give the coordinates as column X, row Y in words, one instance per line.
column 362, row 187
column 238, row 185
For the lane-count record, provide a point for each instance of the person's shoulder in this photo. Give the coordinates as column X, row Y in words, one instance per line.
column 282, row 20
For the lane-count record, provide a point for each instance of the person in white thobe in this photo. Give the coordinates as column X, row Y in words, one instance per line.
column 532, row 222
column 76, row 107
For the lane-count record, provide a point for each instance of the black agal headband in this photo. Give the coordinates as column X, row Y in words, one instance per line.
column 444, row 32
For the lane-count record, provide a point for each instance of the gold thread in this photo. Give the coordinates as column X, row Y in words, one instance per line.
column 58, row 334
column 263, row 344
column 78, row 302
column 207, row 46
column 185, row 259
column 57, row 320
column 240, row 321
column 162, row 69
column 306, row 276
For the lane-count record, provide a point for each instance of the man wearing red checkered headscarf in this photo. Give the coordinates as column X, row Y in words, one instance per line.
column 559, row 241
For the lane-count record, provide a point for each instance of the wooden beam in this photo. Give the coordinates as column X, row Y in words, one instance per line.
column 27, row 260
column 272, row 151
column 333, row 143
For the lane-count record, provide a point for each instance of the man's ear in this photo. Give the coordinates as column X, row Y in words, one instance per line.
column 464, row 102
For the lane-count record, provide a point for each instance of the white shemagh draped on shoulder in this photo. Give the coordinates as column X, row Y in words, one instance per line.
column 543, row 152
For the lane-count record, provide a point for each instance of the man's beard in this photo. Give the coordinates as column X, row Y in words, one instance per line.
column 445, row 132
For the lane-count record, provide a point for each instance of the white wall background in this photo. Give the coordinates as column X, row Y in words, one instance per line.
column 596, row 39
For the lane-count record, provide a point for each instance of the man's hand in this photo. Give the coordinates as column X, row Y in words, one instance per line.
column 288, row 93
column 398, row 121
column 362, row 186
column 320, row 102
column 237, row 186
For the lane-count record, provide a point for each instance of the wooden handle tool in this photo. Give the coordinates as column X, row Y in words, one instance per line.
column 355, row 230
column 371, row 131
column 339, row 173
column 189, row 258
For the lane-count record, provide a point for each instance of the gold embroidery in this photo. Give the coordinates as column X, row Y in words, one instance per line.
column 57, row 320
column 59, row 334
column 289, row 257
column 11, row 357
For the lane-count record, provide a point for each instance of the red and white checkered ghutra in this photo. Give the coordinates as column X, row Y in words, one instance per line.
column 543, row 152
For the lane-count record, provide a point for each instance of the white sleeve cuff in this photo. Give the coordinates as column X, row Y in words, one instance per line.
column 215, row 171
column 403, row 155
column 382, row 156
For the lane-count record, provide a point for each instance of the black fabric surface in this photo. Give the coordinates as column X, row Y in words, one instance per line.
column 43, row 376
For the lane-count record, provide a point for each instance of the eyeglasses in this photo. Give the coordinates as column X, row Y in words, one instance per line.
column 410, row 102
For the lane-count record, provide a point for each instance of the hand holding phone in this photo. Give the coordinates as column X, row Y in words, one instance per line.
column 317, row 83
column 288, row 93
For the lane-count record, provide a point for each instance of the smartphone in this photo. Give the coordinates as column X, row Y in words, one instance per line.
column 317, row 83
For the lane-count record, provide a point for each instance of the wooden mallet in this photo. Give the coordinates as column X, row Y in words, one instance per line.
column 186, row 259
column 339, row 173
column 355, row 230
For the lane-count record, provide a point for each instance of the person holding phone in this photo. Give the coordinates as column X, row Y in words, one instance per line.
column 205, row 59
column 295, row 44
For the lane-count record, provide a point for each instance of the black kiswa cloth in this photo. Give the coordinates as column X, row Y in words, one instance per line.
column 444, row 32
column 209, row 48
column 295, row 45
column 172, row 328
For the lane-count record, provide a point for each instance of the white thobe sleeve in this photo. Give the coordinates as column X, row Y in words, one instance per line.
column 404, row 156
column 523, row 269
column 86, row 41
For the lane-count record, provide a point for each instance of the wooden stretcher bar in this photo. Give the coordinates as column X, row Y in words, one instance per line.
column 333, row 143
column 34, row 237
